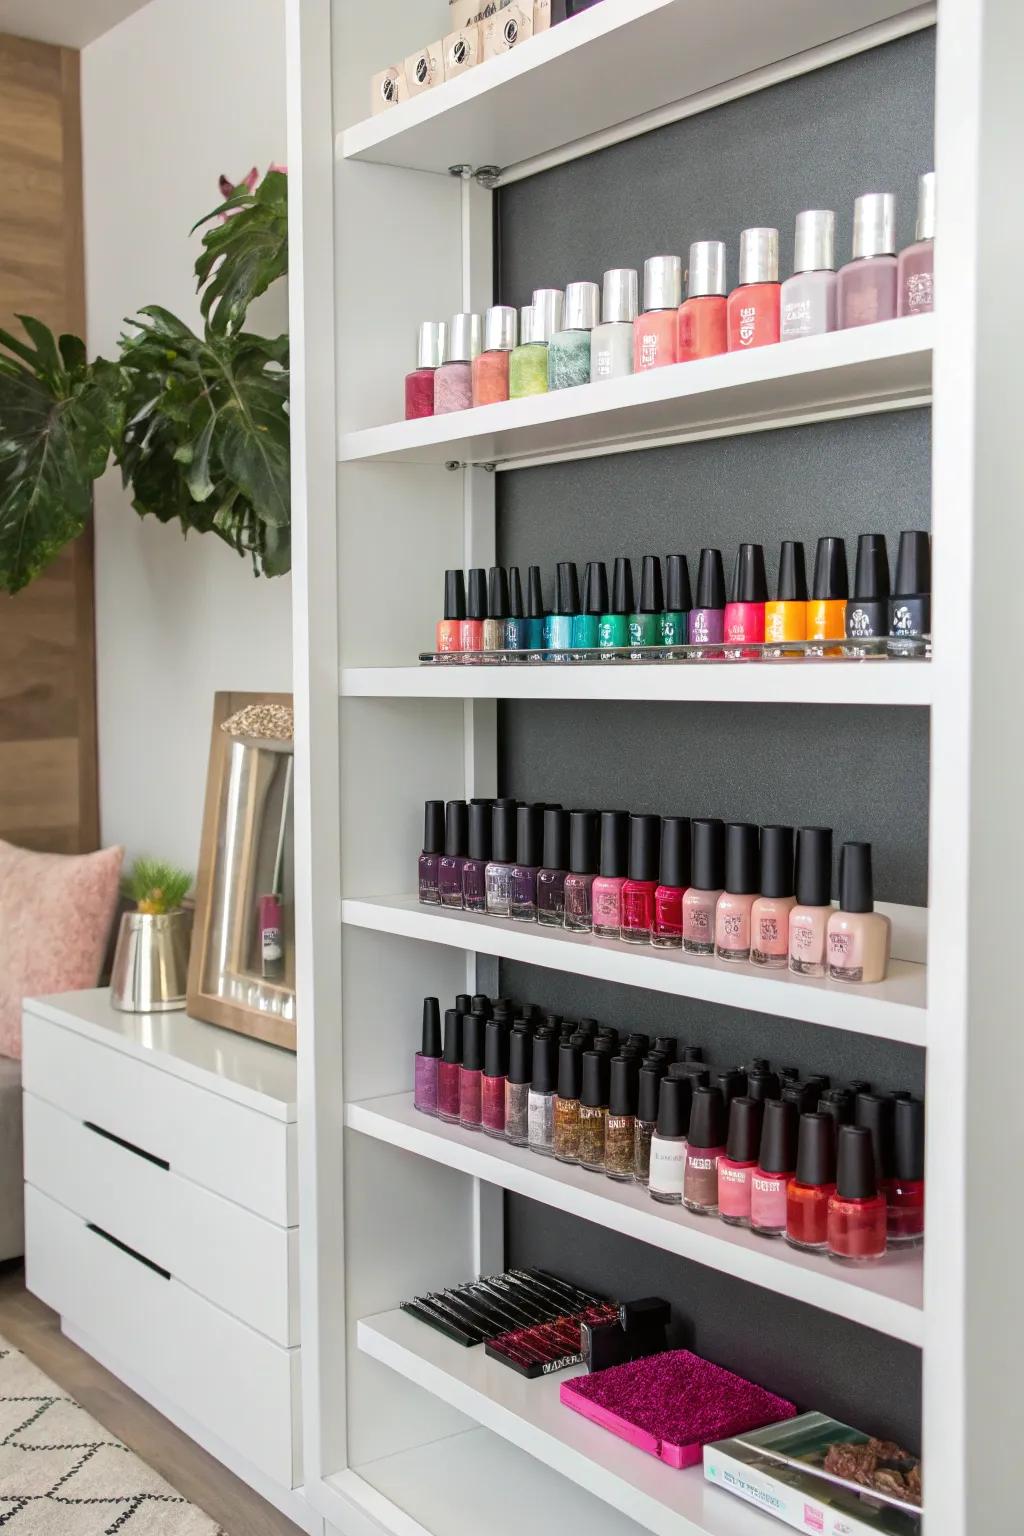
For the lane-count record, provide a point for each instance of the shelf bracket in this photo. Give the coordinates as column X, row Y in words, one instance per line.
column 487, row 176
column 453, row 464
column 461, row 172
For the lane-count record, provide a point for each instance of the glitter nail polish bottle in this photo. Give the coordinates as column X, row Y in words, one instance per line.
column 428, row 1058
column 620, row 1136
column 594, row 1110
column 541, row 1112
column 517, row 1085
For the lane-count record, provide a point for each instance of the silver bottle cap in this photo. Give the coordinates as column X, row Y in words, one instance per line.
column 620, row 301
column 815, row 247
column 431, row 343
column 526, row 325
column 464, row 339
column 759, row 256
column 582, row 306
column 501, row 327
column 548, row 310
column 663, row 282
column 926, row 206
column 874, row 225
column 707, row 268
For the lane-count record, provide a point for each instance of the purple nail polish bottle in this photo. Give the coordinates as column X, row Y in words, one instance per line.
column 449, row 878
column 474, row 871
column 706, row 623
column 551, row 878
column 425, row 1090
column 433, row 847
column 523, row 903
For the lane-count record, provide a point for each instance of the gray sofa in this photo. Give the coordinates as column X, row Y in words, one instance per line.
column 12, row 1204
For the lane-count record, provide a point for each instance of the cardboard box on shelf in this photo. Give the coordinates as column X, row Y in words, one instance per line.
column 512, row 25
column 424, row 69
column 461, row 50
column 387, row 89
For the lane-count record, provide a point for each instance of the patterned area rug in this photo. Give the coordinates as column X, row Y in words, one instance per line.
column 62, row 1474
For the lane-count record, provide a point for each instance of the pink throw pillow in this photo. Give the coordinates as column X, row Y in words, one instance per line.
column 55, row 916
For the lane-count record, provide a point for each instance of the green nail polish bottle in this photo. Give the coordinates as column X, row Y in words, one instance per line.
column 586, row 625
column 645, row 623
column 613, row 629
column 678, row 601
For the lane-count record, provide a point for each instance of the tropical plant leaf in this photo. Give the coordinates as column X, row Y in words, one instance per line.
column 245, row 253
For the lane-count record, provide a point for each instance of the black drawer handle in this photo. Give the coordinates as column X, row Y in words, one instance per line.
column 128, row 1146
column 131, row 1252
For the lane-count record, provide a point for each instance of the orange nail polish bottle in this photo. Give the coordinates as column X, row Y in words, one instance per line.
column 449, row 629
column 826, row 611
column 786, row 617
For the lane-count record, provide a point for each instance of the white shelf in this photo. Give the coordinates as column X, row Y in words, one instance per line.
column 892, row 1010
column 885, row 1296
column 783, row 682
column 845, row 373
column 601, row 69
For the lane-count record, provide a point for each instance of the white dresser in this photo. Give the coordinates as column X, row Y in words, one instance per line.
column 162, row 1221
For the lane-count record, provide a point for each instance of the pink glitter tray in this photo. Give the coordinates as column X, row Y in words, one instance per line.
column 673, row 1404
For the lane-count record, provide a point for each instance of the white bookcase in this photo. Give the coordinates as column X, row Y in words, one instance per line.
column 404, row 1434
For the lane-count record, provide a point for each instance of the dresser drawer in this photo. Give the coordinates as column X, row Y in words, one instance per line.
column 242, row 1262
column 214, row 1369
column 219, row 1145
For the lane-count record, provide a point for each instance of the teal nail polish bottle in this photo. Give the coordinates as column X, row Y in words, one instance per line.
column 534, row 610
column 613, row 629
column 678, row 601
column 645, row 623
column 587, row 623
column 558, row 625
column 515, row 624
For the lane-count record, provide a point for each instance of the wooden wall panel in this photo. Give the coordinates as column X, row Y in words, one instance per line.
column 48, row 777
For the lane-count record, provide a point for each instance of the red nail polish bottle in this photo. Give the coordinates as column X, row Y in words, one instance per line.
column 449, row 629
column 753, row 307
column 702, row 319
column 856, row 1212
column 876, row 1111
column 906, row 1203
column 809, row 1193
column 493, row 1082
column 449, row 1068
column 667, row 930
column 744, row 616
column 419, row 385
column 642, row 881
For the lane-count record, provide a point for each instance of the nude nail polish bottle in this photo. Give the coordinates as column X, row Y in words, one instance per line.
column 866, row 291
column 742, row 882
column 916, row 266
column 786, row 617
column 808, row 921
column 808, row 298
column 703, row 326
column 607, row 889
column 582, row 867
column 704, row 1146
column 490, row 368
column 707, row 841
column 448, row 634
column 736, row 1167
column 744, row 615
column 753, row 306
column 667, row 930
column 655, row 338
column 769, row 916
column 453, row 381
column 641, row 880
column 859, row 938
column 497, row 609
column 611, row 344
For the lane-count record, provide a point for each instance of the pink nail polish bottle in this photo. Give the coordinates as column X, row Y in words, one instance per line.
column 866, row 290
column 753, row 307
column 742, row 883
column 428, row 1059
column 916, row 265
column 707, row 836
column 744, row 616
column 420, row 384
column 667, row 932
column 449, row 1068
column 492, row 1083
column 470, row 1085
column 642, row 880
column 655, row 332
column 770, row 914
column 736, row 1168
column 775, row 1167
column 859, row 938
column 453, row 381
column 808, row 921
column 607, row 889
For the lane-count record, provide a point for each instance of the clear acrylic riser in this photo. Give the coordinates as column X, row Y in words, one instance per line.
column 787, row 653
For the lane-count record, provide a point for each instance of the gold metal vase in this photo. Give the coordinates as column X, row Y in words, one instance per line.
column 151, row 962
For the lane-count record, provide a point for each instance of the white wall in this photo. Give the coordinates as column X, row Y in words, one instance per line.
column 173, row 96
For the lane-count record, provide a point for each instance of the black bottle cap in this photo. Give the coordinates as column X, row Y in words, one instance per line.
column 692, row 1053
column 789, row 1074
column 909, row 1139
column 698, row 1075
column 855, row 1164
column 556, row 839
column 623, row 1086
column 707, row 838
column 638, row 1037
column 520, row 1056
column 814, row 866
column 678, row 597
column 759, row 1064
column 710, row 584
column 503, row 833
column 647, row 1094
column 566, row 1029
column 515, row 593
column 857, row 1085
column 732, row 1084
column 481, row 1004
column 567, row 588
column 529, row 835
column 745, row 1117
column 652, row 595
column 431, row 1045
column 763, row 1085
column 658, row 1059
column 871, row 577
column 497, row 592
column 594, row 1089
column 856, row 886
column 622, row 587
column 614, row 843
column 607, row 1032
column 570, row 1071
column 595, row 588
column 453, row 1036
column 913, row 564
column 496, row 1038
column 644, row 847
column 707, row 1118
column 534, row 593
column 433, row 826
column 875, row 1112
column 476, row 601
column 463, row 1002
column 667, row 1045
column 820, row 1082
column 587, row 1027
column 480, row 813
column 456, row 820
column 831, row 576
column 454, row 595
column 778, row 1137
column 816, row 1155
column 674, row 1107
column 792, row 586
column 675, row 853
column 544, row 1075
column 742, row 859
column 583, row 842
column 749, row 582
column 803, row 1096
column 776, row 861
column 838, row 1104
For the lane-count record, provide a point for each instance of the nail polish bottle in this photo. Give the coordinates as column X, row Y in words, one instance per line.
column 606, row 896
column 655, row 338
column 667, row 928
column 449, row 874
column 808, row 298
column 915, row 280
column 642, row 879
column 535, row 613
column 876, row 1112
column 742, row 882
column 867, row 612
column 769, row 916
column 541, row 1104
column 614, row 626
column 569, row 348
column 480, row 1003
column 497, row 609
column 594, row 1110
column 566, row 1142
column 558, row 625
column 707, row 618
column 808, row 921
column 645, row 622
column 471, row 630
column 470, row 1086
column 826, row 611
column 587, row 624
column 611, row 346
column 551, row 875
column 753, row 307
column 786, row 618
column 859, row 938
column 705, row 1144
column 620, row 1127
column 492, row 1085
column 744, row 616
column 428, row 1059
column 867, row 284
column 703, row 327
column 448, row 635
column 490, row 369
column 813, row 1186
column 910, row 607
column 668, row 1044
column 707, row 841
column 648, row 1091
column 856, row 1212
column 668, row 1151
column 503, row 854
column 515, row 624
column 453, row 381
column 906, row 1201
column 430, row 857
column 529, row 846
column 775, row 1167
column 732, row 1084
column 528, row 365
column 736, row 1168
column 463, row 1002
column 672, row 626
column 838, row 1105
column 449, row 1068
column 517, row 1084
column 763, row 1084
column 474, row 870
column 582, row 865
column 419, row 385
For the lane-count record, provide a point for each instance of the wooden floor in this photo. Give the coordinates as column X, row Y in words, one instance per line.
column 35, row 1330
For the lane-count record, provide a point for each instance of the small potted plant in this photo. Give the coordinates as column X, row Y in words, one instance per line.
column 151, row 962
